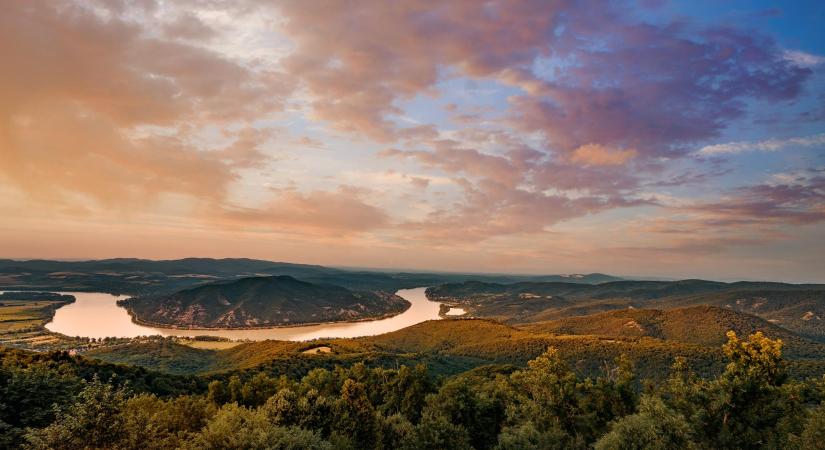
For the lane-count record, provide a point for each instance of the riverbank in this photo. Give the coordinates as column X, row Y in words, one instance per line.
column 23, row 324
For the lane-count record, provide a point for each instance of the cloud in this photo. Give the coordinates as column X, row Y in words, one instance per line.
column 419, row 182
column 491, row 210
column 787, row 200
column 188, row 26
column 769, row 145
column 87, row 83
column 599, row 155
column 317, row 212
column 246, row 151
column 655, row 89
column 449, row 156
column 159, row 108
column 60, row 155
column 803, row 59
column 616, row 82
column 354, row 79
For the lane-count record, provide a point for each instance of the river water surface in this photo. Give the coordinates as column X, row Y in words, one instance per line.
column 97, row 315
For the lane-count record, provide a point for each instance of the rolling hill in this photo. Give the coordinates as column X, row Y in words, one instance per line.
column 702, row 325
column 262, row 302
column 453, row 346
column 797, row 307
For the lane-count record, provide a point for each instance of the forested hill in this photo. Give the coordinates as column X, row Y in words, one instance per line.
column 630, row 289
column 797, row 307
column 262, row 302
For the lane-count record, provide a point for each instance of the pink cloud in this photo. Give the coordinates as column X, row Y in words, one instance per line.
column 84, row 88
column 339, row 212
column 800, row 201
column 599, row 155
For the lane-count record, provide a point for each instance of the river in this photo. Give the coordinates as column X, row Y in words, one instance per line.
column 97, row 315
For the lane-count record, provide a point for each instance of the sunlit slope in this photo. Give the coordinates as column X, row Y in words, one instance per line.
column 448, row 347
column 703, row 325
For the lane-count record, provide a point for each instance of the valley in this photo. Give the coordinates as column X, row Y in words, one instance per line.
column 229, row 338
column 482, row 321
column 262, row 302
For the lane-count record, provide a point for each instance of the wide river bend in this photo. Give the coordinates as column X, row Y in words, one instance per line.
column 97, row 315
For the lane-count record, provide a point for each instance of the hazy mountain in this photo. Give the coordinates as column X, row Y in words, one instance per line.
column 141, row 276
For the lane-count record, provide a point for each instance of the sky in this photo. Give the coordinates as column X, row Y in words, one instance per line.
column 651, row 138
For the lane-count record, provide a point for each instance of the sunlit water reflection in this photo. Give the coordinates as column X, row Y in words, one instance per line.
column 97, row 315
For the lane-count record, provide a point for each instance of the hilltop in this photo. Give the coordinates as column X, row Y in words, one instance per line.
column 262, row 302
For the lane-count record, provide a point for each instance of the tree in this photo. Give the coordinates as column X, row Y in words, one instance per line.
column 168, row 423
column 547, row 395
column 749, row 405
column 94, row 421
column 813, row 435
column 654, row 427
column 436, row 432
column 396, row 431
column 236, row 427
column 527, row 437
column 406, row 392
column 472, row 405
column 217, row 393
column 355, row 415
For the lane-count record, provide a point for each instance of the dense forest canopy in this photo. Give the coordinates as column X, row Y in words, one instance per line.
column 56, row 401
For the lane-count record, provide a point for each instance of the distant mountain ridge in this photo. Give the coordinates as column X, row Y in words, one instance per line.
column 262, row 302
column 141, row 276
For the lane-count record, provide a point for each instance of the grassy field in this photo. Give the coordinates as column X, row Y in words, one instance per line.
column 17, row 315
column 208, row 345
column 22, row 325
column 22, row 321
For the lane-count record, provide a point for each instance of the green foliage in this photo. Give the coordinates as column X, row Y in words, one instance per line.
column 436, row 432
column 748, row 406
column 813, row 435
column 93, row 421
column 236, row 427
column 545, row 405
column 654, row 427
column 170, row 423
